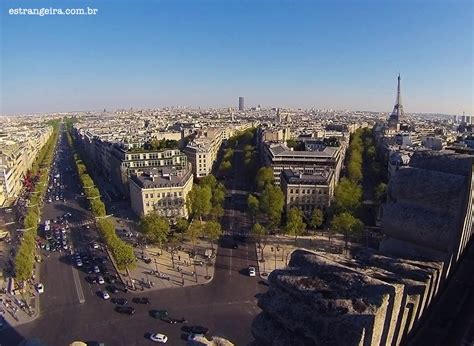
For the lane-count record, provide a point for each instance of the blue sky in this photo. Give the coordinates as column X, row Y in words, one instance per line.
column 326, row 54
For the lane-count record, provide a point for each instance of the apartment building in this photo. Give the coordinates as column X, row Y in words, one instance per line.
column 18, row 152
column 118, row 160
column 202, row 151
column 308, row 190
column 163, row 191
column 280, row 157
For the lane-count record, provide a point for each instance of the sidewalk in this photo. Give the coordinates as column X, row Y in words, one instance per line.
column 171, row 268
column 278, row 250
column 22, row 307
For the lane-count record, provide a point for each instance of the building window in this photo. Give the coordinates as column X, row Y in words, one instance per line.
column 146, row 195
column 303, row 191
column 180, row 194
column 313, row 191
column 291, row 190
column 151, row 195
column 297, row 190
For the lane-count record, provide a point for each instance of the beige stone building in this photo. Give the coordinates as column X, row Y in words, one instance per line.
column 307, row 191
column 164, row 191
column 18, row 152
column 202, row 151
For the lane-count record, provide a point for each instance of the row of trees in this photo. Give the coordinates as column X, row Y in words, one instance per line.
column 348, row 193
column 25, row 256
column 226, row 163
column 122, row 252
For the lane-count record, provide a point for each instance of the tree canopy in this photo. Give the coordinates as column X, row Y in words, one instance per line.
column 295, row 225
column 272, row 202
column 155, row 227
column 264, row 177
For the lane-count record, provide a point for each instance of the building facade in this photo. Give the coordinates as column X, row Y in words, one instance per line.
column 164, row 191
column 308, row 191
column 202, row 151
column 280, row 157
column 17, row 155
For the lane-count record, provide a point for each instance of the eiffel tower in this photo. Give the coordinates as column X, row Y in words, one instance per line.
column 397, row 114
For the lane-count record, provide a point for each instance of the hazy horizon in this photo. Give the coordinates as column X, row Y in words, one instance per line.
column 327, row 55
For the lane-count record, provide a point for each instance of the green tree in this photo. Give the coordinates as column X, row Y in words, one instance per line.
column 200, row 201
column 212, row 231
column 347, row 224
column 225, row 167
column 354, row 171
column 264, row 177
column 252, row 206
column 181, row 226
column 317, row 218
column 271, row 203
column 295, row 224
column 194, row 231
column 260, row 233
column 155, row 227
column 347, row 196
column 380, row 192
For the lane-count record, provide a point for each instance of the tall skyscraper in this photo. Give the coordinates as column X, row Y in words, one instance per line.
column 241, row 103
column 397, row 114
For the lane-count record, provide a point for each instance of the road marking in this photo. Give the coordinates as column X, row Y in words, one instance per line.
column 247, row 253
column 77, row 282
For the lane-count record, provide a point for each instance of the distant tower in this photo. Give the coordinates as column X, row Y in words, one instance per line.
column 279, row 116
column 241, row 103
column 233, row 118
column 397, row 114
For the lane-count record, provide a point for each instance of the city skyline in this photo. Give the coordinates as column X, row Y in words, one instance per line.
column 343, row 55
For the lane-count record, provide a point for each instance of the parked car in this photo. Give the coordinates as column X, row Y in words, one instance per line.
column 197, row 330
column 100, row 280
column 104, row 295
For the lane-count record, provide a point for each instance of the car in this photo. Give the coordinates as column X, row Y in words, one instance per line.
column 104, row 295
column 119, row 301
column 141, row 300
column 252, row 271
column 110, row 279
column 112, row 289
column 159, row 313
column 168, row 320
column 100, row 280
column 198, row 330
column 95, row 245
column 159, row 338
column 39, row 288
column 96, row 269
column 192, row 337
column 79, row 263
column 125, row 310
column 235, row 245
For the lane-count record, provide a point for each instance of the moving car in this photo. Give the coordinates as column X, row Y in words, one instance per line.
column 161, row 338
column 39, row 288
column 141, row 300
column 159, row 313
column 125, row 310
column 112, row 289
column 104, row 295
column 252, row 271
column 119, row 301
